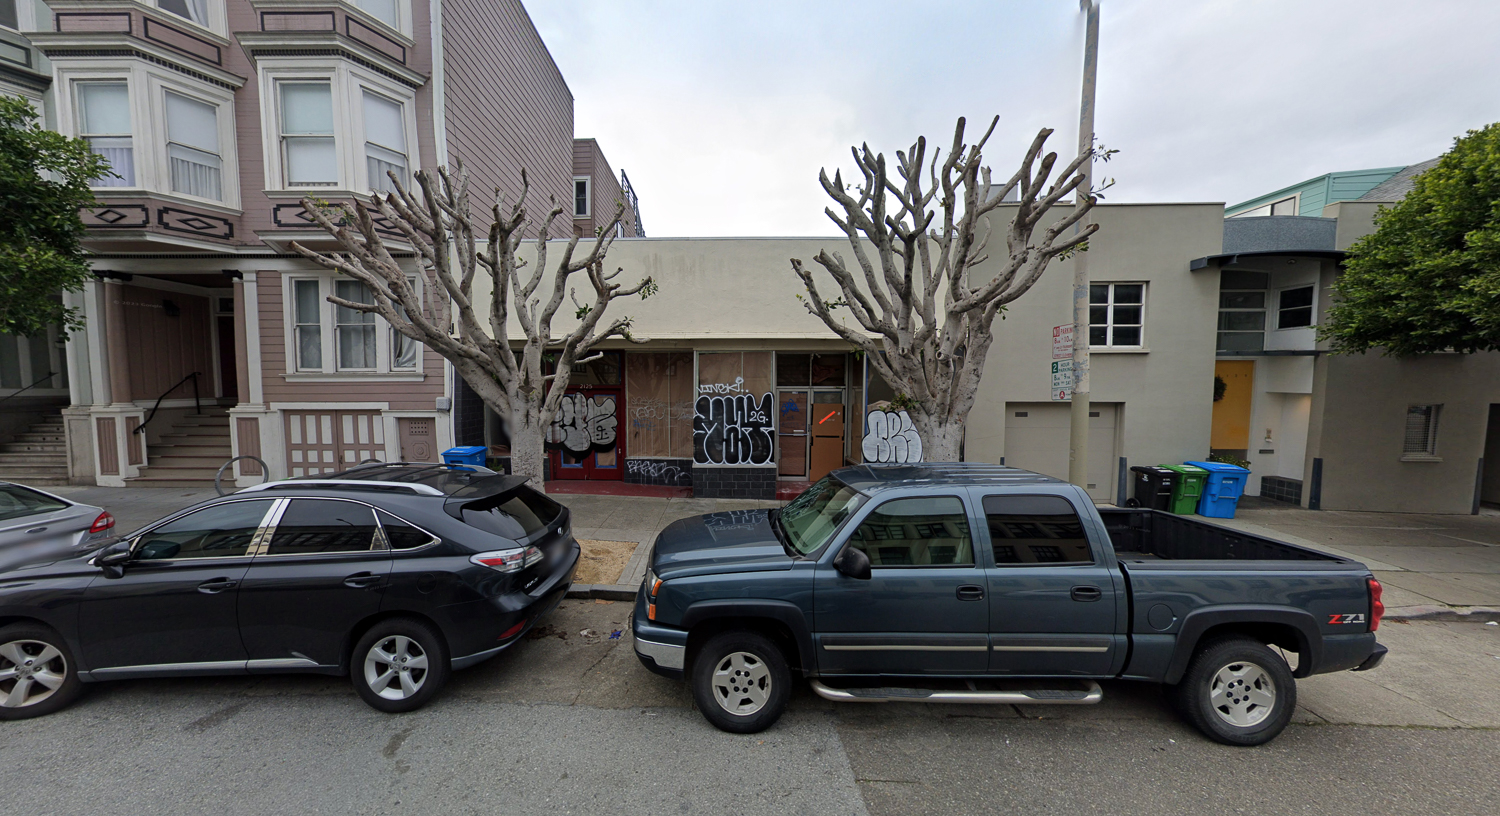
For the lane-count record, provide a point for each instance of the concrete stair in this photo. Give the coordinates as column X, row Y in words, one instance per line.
column 37, row 456
column 190, row 454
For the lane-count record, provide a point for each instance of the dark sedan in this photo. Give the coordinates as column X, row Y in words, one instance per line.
column 392, row 574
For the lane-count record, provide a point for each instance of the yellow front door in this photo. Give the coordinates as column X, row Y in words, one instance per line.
column 1232, row 412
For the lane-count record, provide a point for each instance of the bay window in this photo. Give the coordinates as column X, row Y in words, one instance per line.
column 386, row 11
column 193, row 10
column 195, row 164
column 104, row 122
column 385, row 142
column 307, row 307
column 359, row 343
column 309, row 158
column 354, row 330
column 9, row 17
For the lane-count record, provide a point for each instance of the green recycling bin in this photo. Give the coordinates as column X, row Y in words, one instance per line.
column 1187, row 488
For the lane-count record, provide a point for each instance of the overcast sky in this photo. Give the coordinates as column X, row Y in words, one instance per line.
column 722, row 114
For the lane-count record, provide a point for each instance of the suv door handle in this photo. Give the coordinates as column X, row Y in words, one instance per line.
column 969, row 592
column 1086, row 593
column 217, row 585
column 37, row 530
column 363, row 580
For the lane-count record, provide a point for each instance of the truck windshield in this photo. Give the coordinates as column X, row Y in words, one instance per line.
column 813, row 516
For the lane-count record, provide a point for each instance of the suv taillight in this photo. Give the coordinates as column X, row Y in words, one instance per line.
column 104, row 522
column 1377, row 609
column 513, row 560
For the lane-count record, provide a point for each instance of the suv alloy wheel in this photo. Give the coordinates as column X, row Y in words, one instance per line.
column 399, row 665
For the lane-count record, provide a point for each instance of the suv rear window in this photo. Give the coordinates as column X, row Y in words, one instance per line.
column 517, row 515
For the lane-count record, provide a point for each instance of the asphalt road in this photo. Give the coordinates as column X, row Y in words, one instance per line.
column 569, row 723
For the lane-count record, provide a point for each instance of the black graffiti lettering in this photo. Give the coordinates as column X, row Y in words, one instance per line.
column 733, row 430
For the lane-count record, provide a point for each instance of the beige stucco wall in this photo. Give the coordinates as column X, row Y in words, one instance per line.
column 741, row 293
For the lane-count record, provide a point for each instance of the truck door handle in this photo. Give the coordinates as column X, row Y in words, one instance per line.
column 1086, row 593
column 969, row 592
column 361, row 580
column 216, row 586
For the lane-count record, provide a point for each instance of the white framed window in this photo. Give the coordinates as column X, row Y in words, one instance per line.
column 389, row 12
column 104, row 121
column 207, row 14
column 1117, row 315
column 1285, row 206
column 385, row 142
column 1421, row 432
column 332, row 125
column 581, row 196
column 326, row 338
column 195, row 165
column 1242, row 310
column 1294, row 307
column 309, row 156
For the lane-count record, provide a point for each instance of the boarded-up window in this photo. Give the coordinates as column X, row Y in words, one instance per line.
column 734, row 413
column 1421, row 430
column 659, row 404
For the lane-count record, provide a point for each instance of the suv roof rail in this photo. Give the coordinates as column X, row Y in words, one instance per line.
column 357, row 484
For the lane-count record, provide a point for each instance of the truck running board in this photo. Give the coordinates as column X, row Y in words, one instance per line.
column 1090, row 694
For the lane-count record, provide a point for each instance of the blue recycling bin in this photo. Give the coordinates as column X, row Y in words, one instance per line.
column 1226, row 483
column 465, row 455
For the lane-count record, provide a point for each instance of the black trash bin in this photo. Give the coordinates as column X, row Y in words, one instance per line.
column 1153, row 487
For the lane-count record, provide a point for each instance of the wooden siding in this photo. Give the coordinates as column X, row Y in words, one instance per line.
column 402, row 396
column 109, row 451
column 507, row 105
column 1317, row 193
column 164, row 348
column 330, row 441
column 605, row 192
column 248, row 429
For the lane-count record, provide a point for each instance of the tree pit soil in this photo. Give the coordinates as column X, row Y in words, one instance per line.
column 603, row 562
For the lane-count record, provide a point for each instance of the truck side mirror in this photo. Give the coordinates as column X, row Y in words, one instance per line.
column 853, row 562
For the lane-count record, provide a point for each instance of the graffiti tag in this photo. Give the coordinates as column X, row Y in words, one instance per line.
column 890, row 437
column 730, row 520
column 733, row 430
column 583, row 423
column 654, row 470
column 736, row 387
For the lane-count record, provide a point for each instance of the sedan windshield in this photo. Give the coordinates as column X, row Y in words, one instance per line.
column 814, row 516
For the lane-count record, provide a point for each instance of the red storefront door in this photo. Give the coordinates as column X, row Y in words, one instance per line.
column 584, row 440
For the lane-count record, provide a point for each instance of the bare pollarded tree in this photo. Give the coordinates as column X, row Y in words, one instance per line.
column 440, row 310
column 922, row 322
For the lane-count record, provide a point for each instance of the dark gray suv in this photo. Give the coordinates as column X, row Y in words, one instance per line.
column 393, row 574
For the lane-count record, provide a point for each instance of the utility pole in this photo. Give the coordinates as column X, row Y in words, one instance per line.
column 1078, row 427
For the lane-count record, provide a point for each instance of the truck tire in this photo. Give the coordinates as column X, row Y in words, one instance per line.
column 741, row 682
column 1237, row 691
column 37, row 672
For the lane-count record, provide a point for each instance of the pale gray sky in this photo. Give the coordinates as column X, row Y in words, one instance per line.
column 723, row 113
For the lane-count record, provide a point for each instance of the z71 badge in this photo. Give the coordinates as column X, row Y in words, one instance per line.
column 1351, row 617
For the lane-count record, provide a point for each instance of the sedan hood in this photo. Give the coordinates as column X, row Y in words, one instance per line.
column 733, row 541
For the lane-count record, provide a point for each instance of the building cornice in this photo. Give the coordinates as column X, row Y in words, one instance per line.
column 59, row 46
column 290, row 44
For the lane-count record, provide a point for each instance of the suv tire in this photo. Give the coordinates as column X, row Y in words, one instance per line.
column 399, row 665
column 1237, row 691
column 741, row 682
column 36, row 662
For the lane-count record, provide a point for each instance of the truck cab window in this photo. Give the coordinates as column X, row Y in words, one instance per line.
column 1035, row 530
column 924, row 532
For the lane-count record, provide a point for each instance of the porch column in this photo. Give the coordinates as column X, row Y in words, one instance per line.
column 114, row 339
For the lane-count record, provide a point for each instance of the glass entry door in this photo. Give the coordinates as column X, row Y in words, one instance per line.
column 792, row 433
column 584, row 438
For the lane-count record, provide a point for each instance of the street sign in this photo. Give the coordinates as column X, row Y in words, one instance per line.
column 1062, row 342
column 1062, row 380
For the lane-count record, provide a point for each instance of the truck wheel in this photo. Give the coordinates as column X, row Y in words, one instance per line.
column 1238, row 692
column 37, row 673
column 741, row 682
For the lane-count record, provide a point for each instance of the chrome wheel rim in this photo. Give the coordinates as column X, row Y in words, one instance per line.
column 30, row 672
column 741, row 683
column 396, row 667
column 1242, row 694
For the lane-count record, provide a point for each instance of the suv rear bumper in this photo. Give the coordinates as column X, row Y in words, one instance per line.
column 479, row 630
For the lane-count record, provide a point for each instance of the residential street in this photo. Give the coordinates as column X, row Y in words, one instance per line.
column 572, row 724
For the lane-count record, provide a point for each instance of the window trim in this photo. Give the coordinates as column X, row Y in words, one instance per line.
column 229, row 171
column 1295, row 198
column 25, row 21
column 1088, row 542
column 255, row 541
column 380, row 546
column 217, row 16
column 403, row 16
column 328, row 342
column 853, row 527
column 1312, row 316
column 1110, row 325
column 588, row 196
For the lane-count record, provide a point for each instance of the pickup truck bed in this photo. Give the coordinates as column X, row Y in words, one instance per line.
column 1139, row 534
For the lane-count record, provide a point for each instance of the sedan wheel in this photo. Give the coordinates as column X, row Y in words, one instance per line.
column 36, row 675
column 399, row 665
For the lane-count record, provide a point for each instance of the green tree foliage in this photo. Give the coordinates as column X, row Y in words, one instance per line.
column 1428, row 278
column 44, row 180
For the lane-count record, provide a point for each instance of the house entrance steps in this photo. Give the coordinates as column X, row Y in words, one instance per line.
column 190, row 454
column 36, row 456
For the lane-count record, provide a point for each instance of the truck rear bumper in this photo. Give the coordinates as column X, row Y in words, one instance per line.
column 1374, row 660
column 1345, row 652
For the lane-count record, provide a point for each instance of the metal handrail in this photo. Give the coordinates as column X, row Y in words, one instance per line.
column 50, row 375
column 197, row 403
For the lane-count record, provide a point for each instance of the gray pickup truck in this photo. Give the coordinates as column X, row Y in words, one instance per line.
column 976, row 583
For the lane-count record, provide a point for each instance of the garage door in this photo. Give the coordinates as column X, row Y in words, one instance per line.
column 1036, row 438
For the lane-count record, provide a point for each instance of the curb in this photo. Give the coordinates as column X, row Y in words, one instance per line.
column 607, row 592
column 1461, row 614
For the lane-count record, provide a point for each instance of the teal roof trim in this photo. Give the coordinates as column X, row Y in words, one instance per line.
column 1318, row 192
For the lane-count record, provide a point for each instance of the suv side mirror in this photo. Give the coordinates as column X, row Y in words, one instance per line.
column 853, row 562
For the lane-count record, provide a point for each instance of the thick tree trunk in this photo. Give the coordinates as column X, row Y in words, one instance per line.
column 940, row 442
column 526, row 446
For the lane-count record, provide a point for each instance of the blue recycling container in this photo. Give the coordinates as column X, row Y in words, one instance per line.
column 465, row 455
column 1226, row 483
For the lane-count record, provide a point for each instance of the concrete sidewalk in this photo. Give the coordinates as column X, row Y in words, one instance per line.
column 1444, row 566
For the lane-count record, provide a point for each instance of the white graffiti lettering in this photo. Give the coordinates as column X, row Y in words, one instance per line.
column 736, row 387
column 890, row 437
column 733, row 430
column 583, row 423
column 654, row 470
